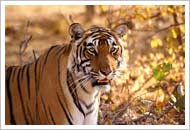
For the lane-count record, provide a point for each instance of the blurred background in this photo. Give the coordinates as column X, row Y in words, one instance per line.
column 150, row 90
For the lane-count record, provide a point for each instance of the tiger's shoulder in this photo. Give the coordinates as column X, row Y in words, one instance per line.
column 56, row 50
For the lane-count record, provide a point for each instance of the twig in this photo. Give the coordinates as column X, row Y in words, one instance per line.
column 65, row 18
column 158, row 30
column 168, row 108
column 24, row 43
column 143, row 117
column 35, row 55
column 155, row 15
column 71, row 19
column 120, row 112
column 23, row 46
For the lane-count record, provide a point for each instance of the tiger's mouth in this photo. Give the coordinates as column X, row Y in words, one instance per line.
column 99, row 82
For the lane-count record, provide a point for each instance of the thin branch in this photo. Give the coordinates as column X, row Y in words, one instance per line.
column 71, row 19
column 35, row 55
column 158, row 30
column 23, row 46
column 121, row 111
column 155, row 15
column 143, row 117
column 64, row 17
column 24, row 43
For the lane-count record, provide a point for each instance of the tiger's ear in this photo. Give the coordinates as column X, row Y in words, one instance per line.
column 121, row 29
column 76, row 31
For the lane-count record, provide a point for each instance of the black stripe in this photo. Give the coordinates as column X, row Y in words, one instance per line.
column 121, row 49
column 59, row 72
column 8, row 76
column 37, row 89
column 86, row 54
column 84, row 43
column 116, row 51
column 14, row 71
column 83, row 61
column 37, row 112
column 22, row 72
column 118, row 63
column 76, row 60
column 89, row 112
column 84, row 89
column 59, row 76
column 44, row 106
column 35, row 75
column 87, row 106
column 20, row 95
column 95, row 35
column 76, row 64
column 90, row 105
column 89, row 44
column 77, row 51
column 74, row 93
column 87, row 65
column 63, row 108
column 82, row 86
column 28, row 80
column 80, row 52
column 46, row 57
column 29, row 113
column 51, row 115
column 113, row 43
column 49, row 53
column 98, row 36
column 84, row 70
column 96, row 95
column 60, row 50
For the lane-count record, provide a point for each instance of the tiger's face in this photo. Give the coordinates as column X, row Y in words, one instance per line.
column 99, row 54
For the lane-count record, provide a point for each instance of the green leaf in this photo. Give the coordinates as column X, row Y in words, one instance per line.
column 167, row 67
column 158, row 74
column 161, row 70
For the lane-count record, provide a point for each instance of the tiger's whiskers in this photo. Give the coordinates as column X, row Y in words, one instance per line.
column 83, row 80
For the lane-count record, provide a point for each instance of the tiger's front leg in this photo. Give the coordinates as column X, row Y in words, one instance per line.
column 92, row 118
column 92, row 115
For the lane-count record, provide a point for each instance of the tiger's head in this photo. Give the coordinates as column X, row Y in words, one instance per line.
column 97, row 53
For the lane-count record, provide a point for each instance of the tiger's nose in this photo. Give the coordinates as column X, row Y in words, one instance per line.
column 106, row 71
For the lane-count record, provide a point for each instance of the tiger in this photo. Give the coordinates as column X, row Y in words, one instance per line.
column 63, row 86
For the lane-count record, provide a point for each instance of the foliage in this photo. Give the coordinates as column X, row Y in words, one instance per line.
column 151, row 89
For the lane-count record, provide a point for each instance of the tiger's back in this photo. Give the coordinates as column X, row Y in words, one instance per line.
column 27, row 86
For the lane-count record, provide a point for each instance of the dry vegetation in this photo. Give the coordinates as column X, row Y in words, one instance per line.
column 150, row 90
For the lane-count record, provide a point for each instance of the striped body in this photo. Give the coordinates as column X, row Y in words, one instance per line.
column 63, row 85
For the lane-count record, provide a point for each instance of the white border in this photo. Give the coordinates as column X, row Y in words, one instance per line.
column 4, row 3
column 187, row 69
column 162, row 2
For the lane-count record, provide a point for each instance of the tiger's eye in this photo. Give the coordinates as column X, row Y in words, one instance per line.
column 113, row 50
column 91, row 49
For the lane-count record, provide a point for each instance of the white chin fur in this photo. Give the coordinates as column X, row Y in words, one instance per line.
column 103, row 88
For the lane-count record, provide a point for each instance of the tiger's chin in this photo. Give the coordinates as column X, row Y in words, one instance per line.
column 105, row 88
column 102, row 85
